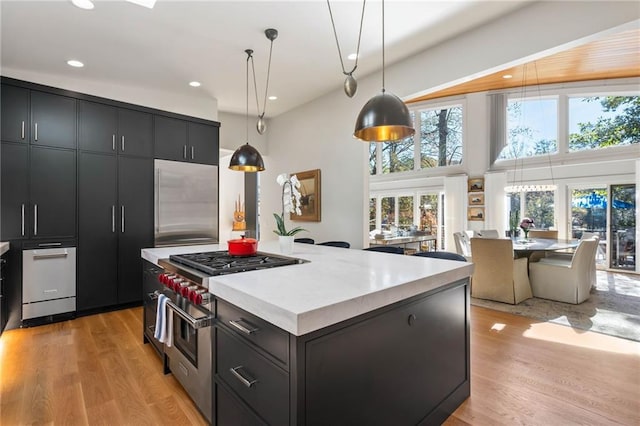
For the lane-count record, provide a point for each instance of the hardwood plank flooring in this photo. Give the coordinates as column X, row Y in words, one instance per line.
column 95, row 371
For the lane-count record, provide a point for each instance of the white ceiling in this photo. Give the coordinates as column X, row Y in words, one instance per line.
column 179, row 41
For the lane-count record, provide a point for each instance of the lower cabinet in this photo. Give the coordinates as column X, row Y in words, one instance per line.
column 115, row 223
column 404, row 364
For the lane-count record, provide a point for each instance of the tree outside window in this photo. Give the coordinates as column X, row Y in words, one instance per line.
column 532, row 128
column 441, row 137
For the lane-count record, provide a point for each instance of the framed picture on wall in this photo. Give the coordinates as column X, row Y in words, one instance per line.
column 476, row 199
column 475, row 213
column 476, row 185
column 310, row 196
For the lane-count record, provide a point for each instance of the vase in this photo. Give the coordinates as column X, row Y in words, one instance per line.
column 286, row 243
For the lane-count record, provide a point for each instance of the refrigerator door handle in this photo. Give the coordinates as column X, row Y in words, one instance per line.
column 122, row 218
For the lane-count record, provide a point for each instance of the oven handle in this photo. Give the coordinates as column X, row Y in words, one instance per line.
column 196, row 323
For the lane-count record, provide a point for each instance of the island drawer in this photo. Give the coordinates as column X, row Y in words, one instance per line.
column 258, row 382
column 261, row 333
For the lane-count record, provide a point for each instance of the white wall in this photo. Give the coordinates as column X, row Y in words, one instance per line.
column 233, row 132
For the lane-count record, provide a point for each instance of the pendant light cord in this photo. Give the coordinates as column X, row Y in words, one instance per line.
column 382, row 46
column 255, row 84
column 249, row 56
column 335, row 33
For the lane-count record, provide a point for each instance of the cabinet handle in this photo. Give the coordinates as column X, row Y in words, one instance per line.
column 113, row 218
column 122, row 218
column 249, row 329
column 193, row 152
column 35, row 219
column 122, row 143
column 113, row 142
column 247, row 381
column 22, row 221
column 36, row 132
column 184, row 152
column 22, row 132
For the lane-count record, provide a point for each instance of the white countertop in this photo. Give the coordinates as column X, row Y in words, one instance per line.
column 336, row 284
column 4, row 247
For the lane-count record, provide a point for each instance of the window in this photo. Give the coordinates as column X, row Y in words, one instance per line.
column 429, row 213
column 536, row 205
column 388, row 213
column 372, row 214
column 601, row 122
column 532, row 128
column 441, row 137
column 405, row 213
column 438, row 142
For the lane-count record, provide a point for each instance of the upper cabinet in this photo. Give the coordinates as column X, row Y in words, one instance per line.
column 52, row 121
column 182, row 140
column 104, row 128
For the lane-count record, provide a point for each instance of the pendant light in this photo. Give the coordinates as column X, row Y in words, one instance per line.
column 384, row 118
column 261, row 125
column 247, row 158
column 350, row 83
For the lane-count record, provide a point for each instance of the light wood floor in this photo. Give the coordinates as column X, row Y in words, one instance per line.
column 95, row 370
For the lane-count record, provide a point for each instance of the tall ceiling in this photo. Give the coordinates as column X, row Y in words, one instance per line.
column 176, row 42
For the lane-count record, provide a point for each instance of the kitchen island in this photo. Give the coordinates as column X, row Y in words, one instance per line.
column 346, row 337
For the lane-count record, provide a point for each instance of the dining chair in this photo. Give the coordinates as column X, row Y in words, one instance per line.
column 304, row 240
column 566, row 282
column 565, row 258
column 543, row 233
column 441, row 255
column 487, row 233
column 386, row 249
column 342, row 244
column 497, row 275
column 463, row 245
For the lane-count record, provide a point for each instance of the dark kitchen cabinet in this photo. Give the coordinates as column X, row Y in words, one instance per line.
column 182, row 140
column 135, row 196
column 97, row 231
column 53, row 193
column 15, row 114
column 53, row 120
column 108, row 129
column 116, row 222
column 15, row 191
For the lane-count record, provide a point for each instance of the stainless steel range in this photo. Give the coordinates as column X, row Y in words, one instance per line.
column 183, row 279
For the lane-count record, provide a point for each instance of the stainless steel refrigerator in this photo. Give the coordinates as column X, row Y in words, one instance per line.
column 186, row 203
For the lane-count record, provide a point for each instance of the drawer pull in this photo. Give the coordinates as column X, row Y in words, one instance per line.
column 53, row 290
column 248, row 381
column 248, row 328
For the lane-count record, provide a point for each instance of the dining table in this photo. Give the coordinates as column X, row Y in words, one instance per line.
column 525, row 247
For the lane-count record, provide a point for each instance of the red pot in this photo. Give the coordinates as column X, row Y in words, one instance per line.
column 243, row 246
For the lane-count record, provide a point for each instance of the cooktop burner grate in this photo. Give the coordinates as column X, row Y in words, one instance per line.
column 221, row 262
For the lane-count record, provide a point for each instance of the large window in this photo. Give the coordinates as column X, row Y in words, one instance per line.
column 532, row 128
column 438, row 142
column 601, row 122
column 536, row 205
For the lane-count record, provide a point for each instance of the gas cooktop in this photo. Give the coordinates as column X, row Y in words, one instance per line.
column 215, row 263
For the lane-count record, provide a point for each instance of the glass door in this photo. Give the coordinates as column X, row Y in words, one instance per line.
column 622, row 226
column 589, row 215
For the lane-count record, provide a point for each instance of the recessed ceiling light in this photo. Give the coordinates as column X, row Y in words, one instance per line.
column 74, row 63
column 145, row 3
column 83, row 4
column 352, row 57
column 273, row 98
column 194, row 84
column 507, row 76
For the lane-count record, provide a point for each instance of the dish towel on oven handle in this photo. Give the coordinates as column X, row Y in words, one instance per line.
column 164, row 321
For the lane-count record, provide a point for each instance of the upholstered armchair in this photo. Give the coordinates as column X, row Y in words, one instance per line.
column 487, row 233
column 566, row 281
column 497, row 275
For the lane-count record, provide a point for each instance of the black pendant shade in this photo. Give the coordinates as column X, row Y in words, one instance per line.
column 246, row 159
column 384, row 118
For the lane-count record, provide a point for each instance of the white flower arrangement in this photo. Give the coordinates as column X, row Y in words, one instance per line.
column 290, row 203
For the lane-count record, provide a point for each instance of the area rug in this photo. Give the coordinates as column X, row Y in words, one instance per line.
column 613, row 308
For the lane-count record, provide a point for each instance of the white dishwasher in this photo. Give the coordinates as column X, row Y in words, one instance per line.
column 48, row 282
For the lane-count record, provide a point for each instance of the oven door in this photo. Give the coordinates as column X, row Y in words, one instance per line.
column 190, row 357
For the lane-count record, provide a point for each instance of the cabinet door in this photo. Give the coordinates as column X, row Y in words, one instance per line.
column 135, row 227
column 135, row 133
column 15, row 191
column 97, row 237
column 15, row 114
column 97, row 127
column 53, row 193
column 170, row 138
column 53, row 120
column 203, row 144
